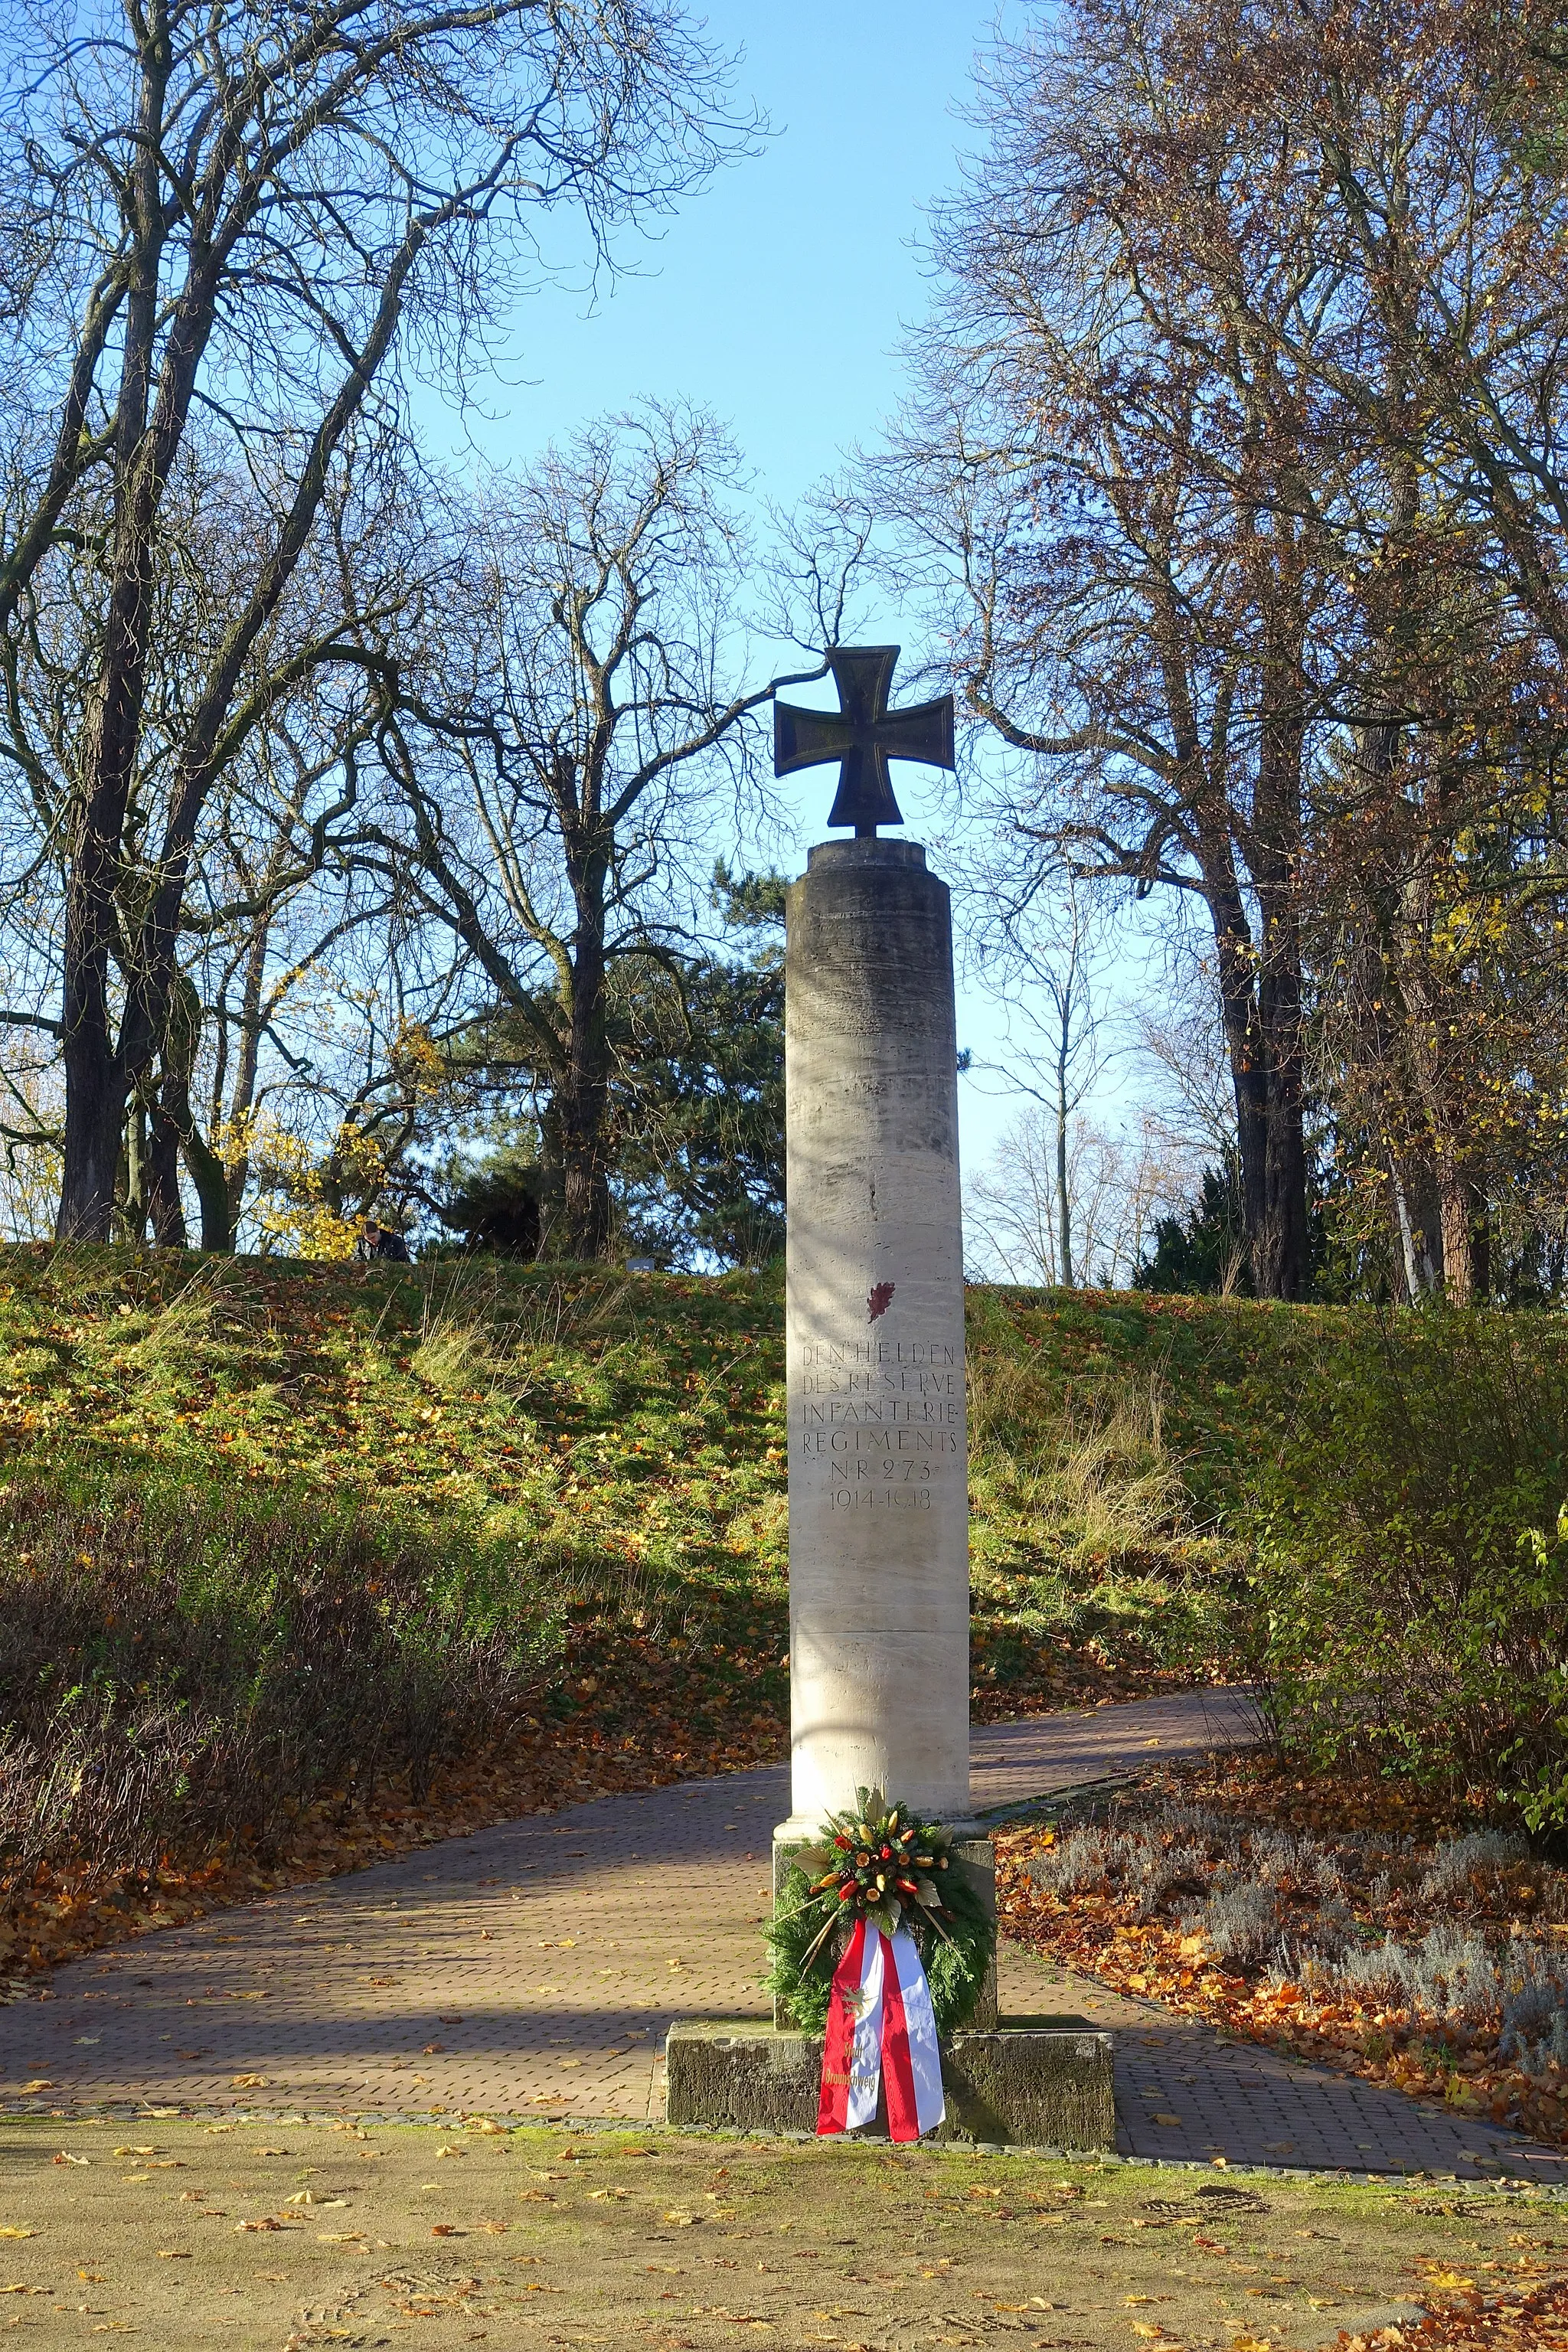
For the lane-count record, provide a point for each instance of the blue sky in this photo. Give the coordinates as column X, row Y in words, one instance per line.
column 779, row 296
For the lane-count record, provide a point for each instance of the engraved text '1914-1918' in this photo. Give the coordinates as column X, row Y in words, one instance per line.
column 883, row 1416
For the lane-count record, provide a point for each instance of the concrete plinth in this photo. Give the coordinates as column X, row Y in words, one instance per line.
column 878, row 1517
column 1025, row 2085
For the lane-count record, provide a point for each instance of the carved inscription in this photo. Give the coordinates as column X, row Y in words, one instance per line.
column 878, row 1420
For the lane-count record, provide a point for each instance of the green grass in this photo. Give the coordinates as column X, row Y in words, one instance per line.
column 612, row 1447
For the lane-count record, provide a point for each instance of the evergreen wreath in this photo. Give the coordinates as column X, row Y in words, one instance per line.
column 881, row 1863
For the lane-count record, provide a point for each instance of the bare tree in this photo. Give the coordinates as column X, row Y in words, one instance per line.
column 1208, row 514
column 244, row 222
column 1124, row 607
column 561, row 762
column 1044, row 968
column 1119, row 1185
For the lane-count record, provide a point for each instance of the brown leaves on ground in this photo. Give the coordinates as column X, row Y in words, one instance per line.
column 1476, row 2324
column 1378, row 1847
column 68, row 1909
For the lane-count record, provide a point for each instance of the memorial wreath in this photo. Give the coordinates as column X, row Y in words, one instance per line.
column 880, row 1943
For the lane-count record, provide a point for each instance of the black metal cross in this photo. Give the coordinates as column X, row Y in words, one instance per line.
column 863, row 735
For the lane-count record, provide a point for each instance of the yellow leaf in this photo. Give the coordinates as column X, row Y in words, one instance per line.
column 10, row 2232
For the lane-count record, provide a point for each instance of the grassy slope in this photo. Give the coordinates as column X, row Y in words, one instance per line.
column 591, row 1465
column 617, row 1443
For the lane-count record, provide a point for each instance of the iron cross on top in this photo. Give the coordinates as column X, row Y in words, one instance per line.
column 863, row 735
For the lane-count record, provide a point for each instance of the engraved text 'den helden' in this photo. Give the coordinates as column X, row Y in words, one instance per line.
column 878, row 1421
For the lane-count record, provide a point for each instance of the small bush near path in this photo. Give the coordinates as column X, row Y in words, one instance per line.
column 1428, row 1954
column 1407, row 1600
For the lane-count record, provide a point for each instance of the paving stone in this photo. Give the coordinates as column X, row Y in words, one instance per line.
column 535, row 1968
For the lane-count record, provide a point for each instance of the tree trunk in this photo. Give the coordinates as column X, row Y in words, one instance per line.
column 163, row 1203
column 1244, row 1044
column 217, row 1193
column 95, row 1120
column 1407, row 1266
column 1279, row 1247
column 1455, row 1224
column 582, row 1099
column 131, row 1179
column 1064, row 1202
column 96, row 1075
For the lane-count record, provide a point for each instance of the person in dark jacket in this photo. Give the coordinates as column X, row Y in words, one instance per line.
column 379, row 1241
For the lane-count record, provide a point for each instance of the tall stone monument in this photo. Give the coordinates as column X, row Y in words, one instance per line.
column 878, row 1515
column 879, row 1501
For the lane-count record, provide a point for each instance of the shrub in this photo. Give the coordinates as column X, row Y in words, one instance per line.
column 1240, row 1920
column 1410, row 1595
column 1458, row 1863
column 180, row 1663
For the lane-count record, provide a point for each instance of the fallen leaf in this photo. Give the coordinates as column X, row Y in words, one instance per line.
column 247, row 2082
column 41, row 2083
column 64, row 2159
column 445, row 2230
column 12, row 2232
column 173, row 2255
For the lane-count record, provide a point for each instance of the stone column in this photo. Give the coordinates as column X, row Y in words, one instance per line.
column 879, row 1506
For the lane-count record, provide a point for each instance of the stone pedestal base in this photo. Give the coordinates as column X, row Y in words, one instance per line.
column 1030, row 2085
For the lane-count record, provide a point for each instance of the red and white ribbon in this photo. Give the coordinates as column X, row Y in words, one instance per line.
column 881, row 2022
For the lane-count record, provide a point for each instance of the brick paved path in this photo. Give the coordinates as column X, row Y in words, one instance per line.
column 535, row 1968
